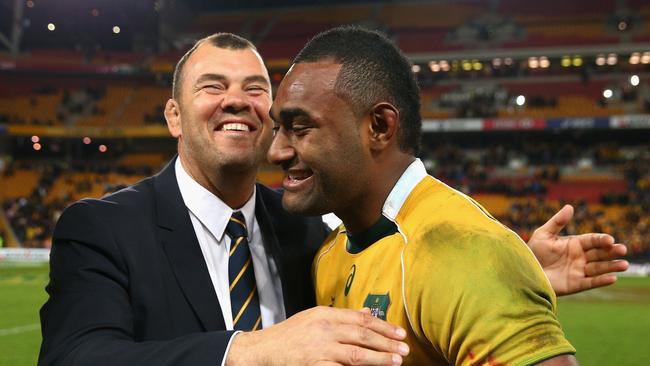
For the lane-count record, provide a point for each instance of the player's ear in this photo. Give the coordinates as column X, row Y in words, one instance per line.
column 384, row 120
column 173, row 118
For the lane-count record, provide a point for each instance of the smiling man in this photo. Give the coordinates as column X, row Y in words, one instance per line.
column 415, row 251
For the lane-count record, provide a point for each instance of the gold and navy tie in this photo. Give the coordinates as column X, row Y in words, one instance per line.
column 244, row 300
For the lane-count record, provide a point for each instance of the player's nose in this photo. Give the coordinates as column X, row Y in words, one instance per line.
column 281, row 149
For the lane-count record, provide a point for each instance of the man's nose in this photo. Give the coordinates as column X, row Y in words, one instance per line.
column 281, row 149
column 235, row 100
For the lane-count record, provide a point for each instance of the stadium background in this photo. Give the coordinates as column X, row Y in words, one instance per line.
column 526, row 105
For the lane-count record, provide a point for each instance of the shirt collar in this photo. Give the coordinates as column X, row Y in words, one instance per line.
column 409, row 179
column 213, row 213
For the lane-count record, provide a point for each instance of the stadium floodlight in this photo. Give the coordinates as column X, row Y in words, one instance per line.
column 634, row 80
column 51, row 27
column 607, row 93
column 116, row 29
column 566, row 61
column 434, row 66
column 645, row 59
column 521, row 100
column 612, row 59
column 544, row 62
column 577, row 61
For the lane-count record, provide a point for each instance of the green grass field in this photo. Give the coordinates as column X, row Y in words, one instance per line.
column 609, row 326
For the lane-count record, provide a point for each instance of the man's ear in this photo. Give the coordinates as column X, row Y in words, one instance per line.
column 384, row 121
column 173, row 117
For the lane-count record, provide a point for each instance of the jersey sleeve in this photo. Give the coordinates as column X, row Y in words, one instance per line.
column 480, row 297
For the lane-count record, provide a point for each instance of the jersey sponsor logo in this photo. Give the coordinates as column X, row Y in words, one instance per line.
column 378, row 304
column 348, row 283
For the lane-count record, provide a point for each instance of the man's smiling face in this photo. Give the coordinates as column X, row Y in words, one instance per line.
column 317, row 142
column 223, row 110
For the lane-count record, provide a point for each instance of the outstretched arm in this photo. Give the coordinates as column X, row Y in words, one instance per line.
column 576, row 263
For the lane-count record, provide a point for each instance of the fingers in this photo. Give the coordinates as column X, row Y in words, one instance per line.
column 594, row 282
column 364, row 319
column 558, row 221
column 589, row 241
column 594, row 269
column 354, row 355
column 362, row 339
column 366, row 338
column 605, row 253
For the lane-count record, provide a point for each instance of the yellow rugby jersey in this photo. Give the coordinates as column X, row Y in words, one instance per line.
column 467, row 289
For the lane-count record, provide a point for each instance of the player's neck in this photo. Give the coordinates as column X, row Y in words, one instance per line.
column 360, row 216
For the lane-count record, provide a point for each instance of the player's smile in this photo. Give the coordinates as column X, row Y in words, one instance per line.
column 297, row 179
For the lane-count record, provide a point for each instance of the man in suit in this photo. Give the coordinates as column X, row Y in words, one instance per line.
column 143, row 276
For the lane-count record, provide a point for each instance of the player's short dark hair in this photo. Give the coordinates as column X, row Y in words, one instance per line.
column 373, row 70
column 221, row 40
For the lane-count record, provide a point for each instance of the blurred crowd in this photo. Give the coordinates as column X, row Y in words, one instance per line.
column 32, row 218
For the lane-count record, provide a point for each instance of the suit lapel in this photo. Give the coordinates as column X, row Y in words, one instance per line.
column 179, row 242
column 267, row 225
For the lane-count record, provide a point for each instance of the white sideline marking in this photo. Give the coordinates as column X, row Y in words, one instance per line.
column 21, row 329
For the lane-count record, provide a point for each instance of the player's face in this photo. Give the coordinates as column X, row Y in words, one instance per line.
column 317, row 142
column 223, row 111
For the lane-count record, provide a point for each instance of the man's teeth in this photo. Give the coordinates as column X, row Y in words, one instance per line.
column 298, row 176
column 235, row 127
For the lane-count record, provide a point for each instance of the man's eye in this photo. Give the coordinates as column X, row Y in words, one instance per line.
column 299, row 130
column 256, row 89
column 212, row 87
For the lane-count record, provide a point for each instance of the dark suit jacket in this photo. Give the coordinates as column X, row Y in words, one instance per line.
column 129, row 285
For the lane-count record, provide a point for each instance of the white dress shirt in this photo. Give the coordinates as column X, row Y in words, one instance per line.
column 209, row 216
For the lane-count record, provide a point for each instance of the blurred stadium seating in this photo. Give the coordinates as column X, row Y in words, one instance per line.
column 527, row 105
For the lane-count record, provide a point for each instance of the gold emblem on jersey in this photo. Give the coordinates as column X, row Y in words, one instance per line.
column 348, row 283
column 378, row 304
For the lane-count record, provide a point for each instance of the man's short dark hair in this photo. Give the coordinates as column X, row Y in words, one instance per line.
column 221, row 40
column 373, row 70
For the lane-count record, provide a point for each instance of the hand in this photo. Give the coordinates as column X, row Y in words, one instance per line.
column 322, row 336
column 576, row 263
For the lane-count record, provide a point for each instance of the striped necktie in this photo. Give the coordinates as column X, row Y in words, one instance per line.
column 244, row 300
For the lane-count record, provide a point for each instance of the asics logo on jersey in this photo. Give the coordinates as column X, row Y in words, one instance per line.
column 348, row 283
